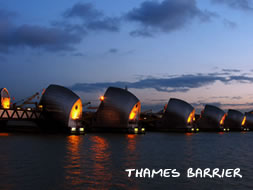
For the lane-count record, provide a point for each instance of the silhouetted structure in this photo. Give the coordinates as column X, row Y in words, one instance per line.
column 249, row 121
column 211, row 119
column 235, row 121
column 178, row 116
column 119, row 110
column 62, row 108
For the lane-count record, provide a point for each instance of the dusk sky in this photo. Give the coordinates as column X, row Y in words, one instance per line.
column 197, row 50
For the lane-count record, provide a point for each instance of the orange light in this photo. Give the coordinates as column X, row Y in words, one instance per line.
column 244, row 120
column 223, row 119
column 5, row 103
column 131, row 136
column 4, row 134
column 76, row 111
column 189, row 134
column 135, row 111
column 102, row 98
column 191, row 117
column 165, row 108
column 5, row 99
column 132, row 115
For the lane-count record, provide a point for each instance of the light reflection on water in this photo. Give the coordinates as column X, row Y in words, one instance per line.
column 98, row 161
column 4, row 134
column 73, row 160
column 101, row 156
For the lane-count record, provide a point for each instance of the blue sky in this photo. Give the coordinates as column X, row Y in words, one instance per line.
column 197, row 50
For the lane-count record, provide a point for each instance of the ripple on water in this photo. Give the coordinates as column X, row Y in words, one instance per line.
column 98, row 161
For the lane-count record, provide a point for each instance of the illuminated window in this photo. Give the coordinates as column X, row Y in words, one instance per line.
column 102, row 98
column 5, row 99
column 244, row 120
column 76, row 111
column 135, row 111
column 223, row 119
column 191, row 117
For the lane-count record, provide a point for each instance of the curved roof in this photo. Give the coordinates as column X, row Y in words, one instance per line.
column 114, row 110
column 4, row 93
column 213, row 112
column 179, row 107
column 249, row 119
column 234, row 119
column 119, row 98
column 176, row 115
column 235, row 115
column 57, row 103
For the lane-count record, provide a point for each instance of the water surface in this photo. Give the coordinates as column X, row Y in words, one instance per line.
column 98, row 161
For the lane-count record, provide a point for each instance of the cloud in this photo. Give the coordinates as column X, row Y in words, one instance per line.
column 241, row 78
column 107, row 24
column 91, row 18
column 3, row 59
column 78, row 54
column 113, row 50
column 182, row 83
column 61, row 35
column 236, row 97
column 48, row 38
column 243, row 107
column 70, row 27
column 4, row 14
column 84, row 11
column 94, row 87
column 229, row 24
column 226, row 97
column 165, row 16
column 199, row 105
column 34, row 36
column 244, row 5
column 142, row 33
column 231, row 70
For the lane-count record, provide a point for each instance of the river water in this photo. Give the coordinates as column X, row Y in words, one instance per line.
column 98, row 161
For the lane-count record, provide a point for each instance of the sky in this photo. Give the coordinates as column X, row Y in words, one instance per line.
column 196, row 50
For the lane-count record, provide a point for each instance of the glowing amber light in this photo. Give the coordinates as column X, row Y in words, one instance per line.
column 223, row 119
column 132, row 116
column 135, row 111
column 4, row 134
column 76, row 111
column 243, row 121
column 191, row 117
column 102, row 98
column 6, row 103
column 5, row 99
